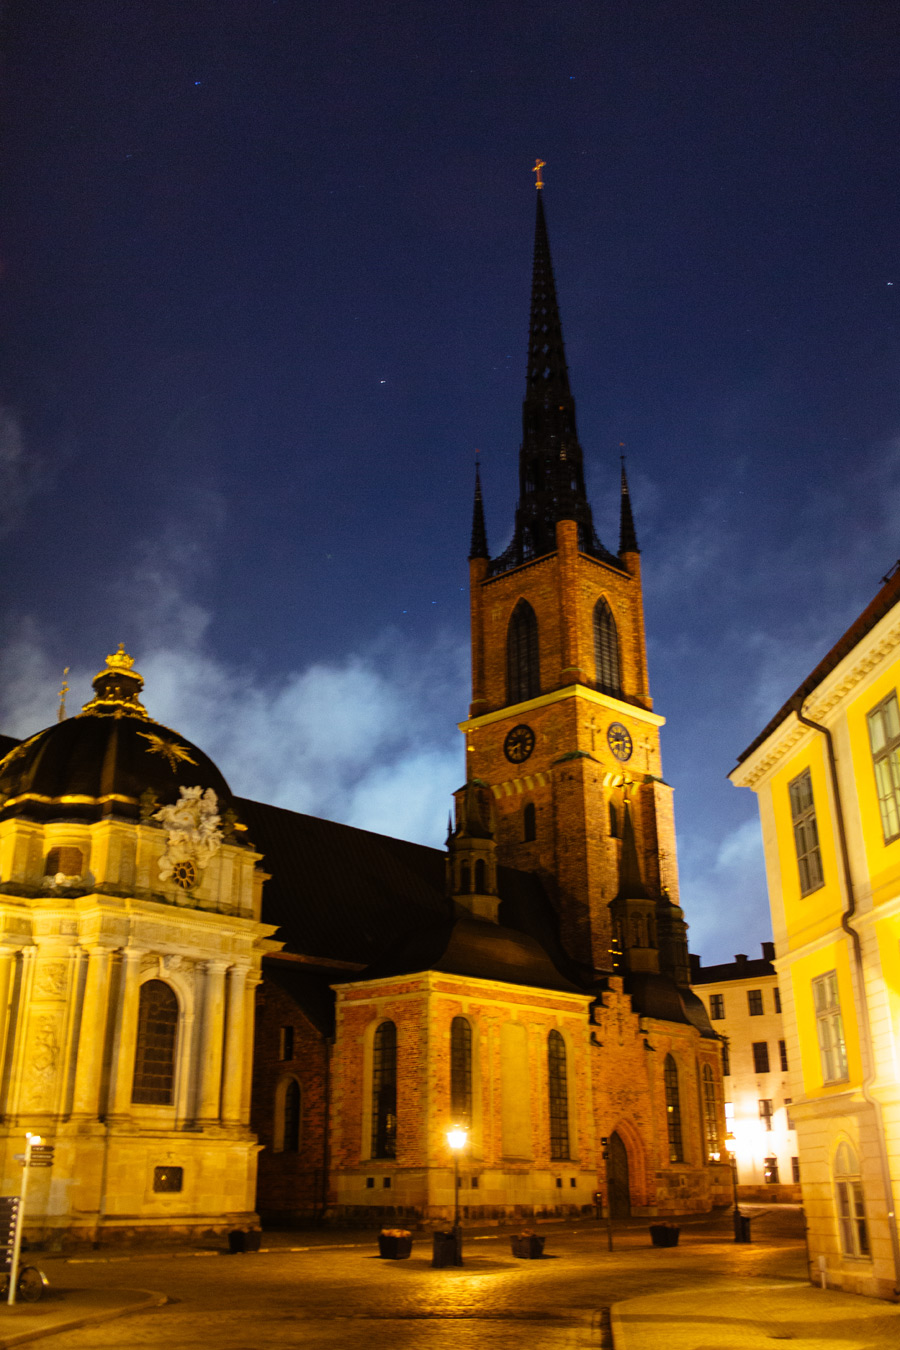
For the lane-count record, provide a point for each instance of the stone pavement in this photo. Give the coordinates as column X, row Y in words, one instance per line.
column 329, row 1291
column 750, row 1314
column 68, row 1309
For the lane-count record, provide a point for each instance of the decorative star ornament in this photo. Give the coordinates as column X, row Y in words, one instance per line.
column 174, row 754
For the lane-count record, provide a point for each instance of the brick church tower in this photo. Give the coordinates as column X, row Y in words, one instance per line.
column 561, row 724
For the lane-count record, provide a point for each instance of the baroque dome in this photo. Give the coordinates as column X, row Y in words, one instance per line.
column 111, row 759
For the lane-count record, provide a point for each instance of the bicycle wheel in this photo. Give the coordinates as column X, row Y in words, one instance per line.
column 31, row 1284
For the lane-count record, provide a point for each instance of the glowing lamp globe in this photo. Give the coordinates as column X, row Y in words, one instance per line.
column 457, row 1138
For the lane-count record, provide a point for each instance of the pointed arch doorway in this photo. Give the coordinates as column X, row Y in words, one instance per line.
column 617, row 1179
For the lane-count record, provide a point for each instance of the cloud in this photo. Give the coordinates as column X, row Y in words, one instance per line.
column 353, row 740
column 18, row 470
column 723, row 890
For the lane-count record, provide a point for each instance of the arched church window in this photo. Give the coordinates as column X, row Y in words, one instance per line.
column 465, row 878
column 522, row 662
column 606, row 649
column 529, row 822
column 384, row 1092
column 673, row 1110
column 710, row 1113
column 851, row 1205
column 460, row 1071
column 154, row 1059
column 637, row 931
column 480, row 877
column 559, row 1097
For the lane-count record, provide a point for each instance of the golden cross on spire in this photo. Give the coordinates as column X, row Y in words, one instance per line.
column 538, row 165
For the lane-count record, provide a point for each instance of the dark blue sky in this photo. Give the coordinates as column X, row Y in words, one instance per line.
column 265, row 289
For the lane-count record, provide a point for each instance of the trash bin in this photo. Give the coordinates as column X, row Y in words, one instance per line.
column 664, row 1234
column 741, row 1227
column 242, row 1240
column 446, row 1250
column 527, row 1245
column 394, row 1244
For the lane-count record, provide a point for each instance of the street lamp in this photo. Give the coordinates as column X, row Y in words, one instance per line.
column 737, row 1216
column 457, row 1138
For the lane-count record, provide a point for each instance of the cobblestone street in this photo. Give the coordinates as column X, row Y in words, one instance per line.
column 332, row 1295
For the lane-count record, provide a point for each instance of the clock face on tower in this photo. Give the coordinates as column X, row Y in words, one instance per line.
column 619, row 741
column 519, row 744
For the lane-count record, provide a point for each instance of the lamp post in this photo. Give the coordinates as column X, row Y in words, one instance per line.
column 737, row 1217
column 457, row 1138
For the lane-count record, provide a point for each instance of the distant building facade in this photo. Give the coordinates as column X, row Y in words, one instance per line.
column 744, row 1006
column 826, row 771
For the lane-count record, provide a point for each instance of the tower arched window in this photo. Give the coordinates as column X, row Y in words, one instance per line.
column 559, row 1097
column 384, row 1091
column 460, row 1071
column 154, row 1058
column 673, row 1110
column 480, row 876
column 710, row 1112
column 606, row 649
column 523, row 678
column 465, row 878
column 529, row 822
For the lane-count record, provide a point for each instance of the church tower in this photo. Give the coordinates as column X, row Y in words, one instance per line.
column 561, row 722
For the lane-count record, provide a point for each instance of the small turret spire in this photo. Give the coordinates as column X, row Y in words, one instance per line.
column 627, row 537
column 479, row 545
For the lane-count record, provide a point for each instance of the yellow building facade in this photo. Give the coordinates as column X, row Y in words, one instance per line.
column 826, row 771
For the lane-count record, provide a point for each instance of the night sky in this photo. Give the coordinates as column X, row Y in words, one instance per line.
column 266, row 271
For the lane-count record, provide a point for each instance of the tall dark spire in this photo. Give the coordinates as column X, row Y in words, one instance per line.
column 479, row 546
column 627, row 537
column 551, row 471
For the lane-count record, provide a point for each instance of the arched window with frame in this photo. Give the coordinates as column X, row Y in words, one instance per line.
column 559, row 1097
column 673, row 1110
column 289, row 1106
column 384, row 1091
column 851, row 1205
column 709, row 1101
column 529, row 822
column 606, row 649
column 523, row 676
column 480, row 876
column 460, row 1071
column 154, row 1057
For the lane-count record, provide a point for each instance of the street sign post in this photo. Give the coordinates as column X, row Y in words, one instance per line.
column 37, row 1154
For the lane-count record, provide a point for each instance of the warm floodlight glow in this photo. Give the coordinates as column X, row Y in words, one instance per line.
column 34, row 1138
column 457, row 1137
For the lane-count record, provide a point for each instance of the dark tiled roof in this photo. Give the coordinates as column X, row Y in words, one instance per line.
column 8, row 743
column 656, row 995
column 481, row 950
column 757, row 969
column 883, row 602
column 343, row 894
column 308, row 986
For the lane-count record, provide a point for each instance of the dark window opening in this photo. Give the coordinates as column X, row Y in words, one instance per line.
column 559, row 1097
column 286, row 1043
column 717, row 1007
column 168, row 1178
column 777, row 993
column 67, row 861
column 480, row 877
column 782, row 1051
column 673, row 1110
column 384, row 1092
column 761, row 1056
column 755, row 1002
column 530, row 822
column 606, row 649
column 154, row 1059
column 765, row 1111
column 523, row 679
column 291, row 1118
column 460, row 1071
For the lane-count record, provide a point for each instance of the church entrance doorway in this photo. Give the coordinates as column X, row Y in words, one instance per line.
column 617, row 1179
